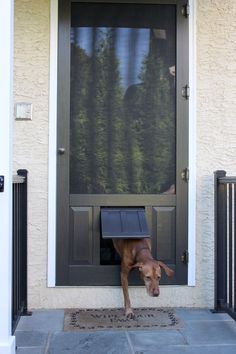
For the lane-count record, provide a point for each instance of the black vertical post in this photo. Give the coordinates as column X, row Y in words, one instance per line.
column 234, row 251
column 225, row 243
column 19, row 248
column 230, row 252
column 220, row 241
column 23, row 240
column 14, row 286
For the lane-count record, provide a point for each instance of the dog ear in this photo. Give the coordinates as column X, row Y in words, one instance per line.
column 169, row 272
column 138, row 265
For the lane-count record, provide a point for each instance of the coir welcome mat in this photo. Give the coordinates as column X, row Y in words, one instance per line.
column 114, row 319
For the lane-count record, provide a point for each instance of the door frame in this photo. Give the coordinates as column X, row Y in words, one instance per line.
column 53, row 144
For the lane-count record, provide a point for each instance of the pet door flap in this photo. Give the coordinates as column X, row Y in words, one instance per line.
column 124, row 223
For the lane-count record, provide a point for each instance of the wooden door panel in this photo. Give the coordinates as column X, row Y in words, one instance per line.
column 164, row 233
column 86, row 264
column 81, row 235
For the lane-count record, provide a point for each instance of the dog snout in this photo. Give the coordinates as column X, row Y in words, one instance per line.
column 156, row 292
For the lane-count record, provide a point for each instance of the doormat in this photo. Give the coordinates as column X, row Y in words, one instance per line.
column 114, row 319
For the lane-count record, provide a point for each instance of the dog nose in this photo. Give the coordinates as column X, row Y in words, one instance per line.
column 156, row 293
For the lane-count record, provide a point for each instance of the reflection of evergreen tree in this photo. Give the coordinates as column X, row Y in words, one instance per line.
column 157, row 115
column 150, row 128
column 97, row 154
column 79, row 174
column 113, row 115
column 120, row 143
column 133, row 160
column 132, row 138
column 96, row 118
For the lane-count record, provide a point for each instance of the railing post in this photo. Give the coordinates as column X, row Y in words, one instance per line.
column 234, row 251
column 24, row 240
column 19, row 242
column 220, row 231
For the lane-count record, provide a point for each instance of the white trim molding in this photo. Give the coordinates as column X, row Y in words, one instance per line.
column 7, row 341
column 192, row 146
column 52, row 144
column 53, row 140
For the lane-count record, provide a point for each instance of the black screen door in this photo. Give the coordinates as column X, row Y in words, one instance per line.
column 122, row 132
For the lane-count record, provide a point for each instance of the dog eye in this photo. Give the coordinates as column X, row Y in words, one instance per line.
column 148, row 278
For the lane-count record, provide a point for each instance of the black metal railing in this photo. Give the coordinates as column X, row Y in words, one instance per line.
column 225, row 243
column 19, row 247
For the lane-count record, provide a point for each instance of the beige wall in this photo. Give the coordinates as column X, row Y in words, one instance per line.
column 216, row 149
column 31, row 137
column 216, row 123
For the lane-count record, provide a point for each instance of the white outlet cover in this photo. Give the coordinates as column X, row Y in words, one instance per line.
column 23, row 111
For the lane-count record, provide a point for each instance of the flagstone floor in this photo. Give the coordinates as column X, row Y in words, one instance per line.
column 203, row 333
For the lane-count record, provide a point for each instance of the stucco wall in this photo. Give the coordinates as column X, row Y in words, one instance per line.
column 216, row 124
column 30, row 150
column 216, row 149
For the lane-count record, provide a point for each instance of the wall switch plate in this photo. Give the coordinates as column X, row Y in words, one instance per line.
column 23, row 111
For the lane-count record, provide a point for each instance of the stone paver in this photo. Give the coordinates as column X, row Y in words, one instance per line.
column 31, row 350
column 154, row 339
column 201, row 315
column 89, row 343
column 210, row 332
column 31, row 338
column 187, row 349
column 202, row 332
column 43, row 321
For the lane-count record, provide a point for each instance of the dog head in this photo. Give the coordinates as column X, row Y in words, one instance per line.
column 150, row 272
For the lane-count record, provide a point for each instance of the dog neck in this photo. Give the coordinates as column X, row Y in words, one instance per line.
column 141, row 255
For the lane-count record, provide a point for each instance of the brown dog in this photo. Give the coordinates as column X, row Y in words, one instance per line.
column 137, row 254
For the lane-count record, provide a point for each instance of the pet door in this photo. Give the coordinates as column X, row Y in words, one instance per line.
column 124, row 223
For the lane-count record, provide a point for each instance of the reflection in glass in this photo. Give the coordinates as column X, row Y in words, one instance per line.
column 122, row 110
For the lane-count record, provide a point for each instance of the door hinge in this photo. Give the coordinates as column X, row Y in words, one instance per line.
column 186, row 92
column 186, row 10
column 185, row 257
column 185, row 174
